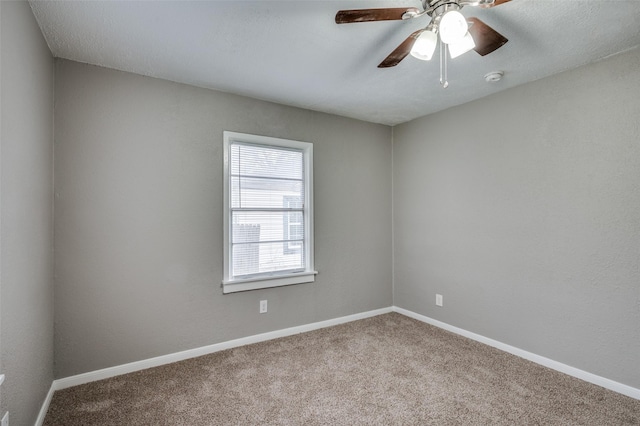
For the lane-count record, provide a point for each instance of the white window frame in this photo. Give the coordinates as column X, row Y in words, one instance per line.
column 232, row 284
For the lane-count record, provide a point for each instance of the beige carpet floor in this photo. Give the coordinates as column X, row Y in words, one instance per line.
column 386, row 370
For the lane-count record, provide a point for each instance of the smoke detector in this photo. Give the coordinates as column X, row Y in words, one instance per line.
column 494, row 76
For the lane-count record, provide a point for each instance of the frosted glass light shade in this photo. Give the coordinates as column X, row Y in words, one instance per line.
column 424, row 46
column 463, row 46
column 453, row 27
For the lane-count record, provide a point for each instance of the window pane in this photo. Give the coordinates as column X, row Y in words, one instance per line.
column 255, row 258
column 267, row 226
column 265, row 161
column 265, row 192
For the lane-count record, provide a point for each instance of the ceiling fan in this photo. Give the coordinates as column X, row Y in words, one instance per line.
column 448, row 27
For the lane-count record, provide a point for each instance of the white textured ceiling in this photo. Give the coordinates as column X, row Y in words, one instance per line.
column 292, row 52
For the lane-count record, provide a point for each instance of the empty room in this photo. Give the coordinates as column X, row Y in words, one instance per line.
column 385, row 212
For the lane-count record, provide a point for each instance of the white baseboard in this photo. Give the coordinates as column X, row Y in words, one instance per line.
column 45, row 405
column 205, row 350
column 554, row 365
column 106, row 373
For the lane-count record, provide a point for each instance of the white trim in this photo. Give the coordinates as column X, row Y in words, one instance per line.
column 554, row 365
column 268, row 282
column 105, row 373
column 205, row 350
column 45, row 405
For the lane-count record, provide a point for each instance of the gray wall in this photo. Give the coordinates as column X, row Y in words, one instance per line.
column 138, row 233
column 523, row 210
column 26, row 259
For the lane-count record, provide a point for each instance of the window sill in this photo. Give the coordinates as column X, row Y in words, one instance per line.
column 267, row 282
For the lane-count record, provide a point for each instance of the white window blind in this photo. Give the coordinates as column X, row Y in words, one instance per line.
column 268, row 209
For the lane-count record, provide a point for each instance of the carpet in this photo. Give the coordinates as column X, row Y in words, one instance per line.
column 385, row 370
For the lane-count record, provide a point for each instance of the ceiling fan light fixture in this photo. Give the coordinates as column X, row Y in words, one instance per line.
column 463, row 46
column 425, row 46
column 453, row 27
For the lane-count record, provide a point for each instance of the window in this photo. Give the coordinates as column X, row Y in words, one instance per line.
column 292, row 225
column 268, row 212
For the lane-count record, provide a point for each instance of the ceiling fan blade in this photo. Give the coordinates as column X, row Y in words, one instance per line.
column 401, row 51
column 368, row 15
column 486, row 38
column 494, row 4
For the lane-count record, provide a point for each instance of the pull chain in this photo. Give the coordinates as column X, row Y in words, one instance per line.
column 443, row 64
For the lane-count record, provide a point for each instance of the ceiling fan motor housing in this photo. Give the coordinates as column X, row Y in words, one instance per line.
column 440, row 7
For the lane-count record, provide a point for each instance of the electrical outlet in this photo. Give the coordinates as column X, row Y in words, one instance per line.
column 263, row 306
column 5, row 419
column 438, row 300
